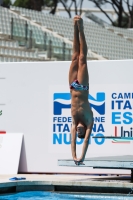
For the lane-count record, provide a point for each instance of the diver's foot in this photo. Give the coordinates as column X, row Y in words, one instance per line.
column 75, row 19
column 80, row 24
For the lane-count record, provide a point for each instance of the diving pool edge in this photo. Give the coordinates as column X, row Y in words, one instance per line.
column 66, row 183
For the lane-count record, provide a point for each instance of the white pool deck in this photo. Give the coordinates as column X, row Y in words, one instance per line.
column 68, row 181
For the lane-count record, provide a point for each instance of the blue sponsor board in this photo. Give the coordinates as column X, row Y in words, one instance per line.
column 100, row 97
column 122, row 115
column 62, row 124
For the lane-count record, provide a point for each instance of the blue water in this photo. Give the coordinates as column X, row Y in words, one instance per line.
column 60, row 196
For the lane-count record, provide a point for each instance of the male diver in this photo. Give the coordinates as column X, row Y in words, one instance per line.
column 82, row 116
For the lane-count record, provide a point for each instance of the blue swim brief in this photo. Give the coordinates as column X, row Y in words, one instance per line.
column 77, row 86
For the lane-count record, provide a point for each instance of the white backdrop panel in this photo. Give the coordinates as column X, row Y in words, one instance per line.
column 10, row 148
column 35, row 100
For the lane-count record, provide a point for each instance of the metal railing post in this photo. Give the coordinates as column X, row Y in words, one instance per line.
column 11, row 28
column 30, row 40
column 69, row 55
column 45, row 40
column 50, row 49
column 64, row 51
column 26, row 31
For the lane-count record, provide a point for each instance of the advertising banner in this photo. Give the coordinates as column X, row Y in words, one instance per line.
column 35, row 100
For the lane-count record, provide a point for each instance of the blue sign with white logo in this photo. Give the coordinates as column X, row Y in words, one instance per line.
column 58, row 106
column 62, row 123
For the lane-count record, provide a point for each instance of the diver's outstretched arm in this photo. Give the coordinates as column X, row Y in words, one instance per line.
column 73, row 142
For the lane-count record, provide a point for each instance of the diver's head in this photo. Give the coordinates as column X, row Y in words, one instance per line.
column 81, row 130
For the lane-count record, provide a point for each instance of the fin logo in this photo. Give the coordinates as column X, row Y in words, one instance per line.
column 63, row 101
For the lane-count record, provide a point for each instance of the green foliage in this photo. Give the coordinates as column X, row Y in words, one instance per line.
column 22, row 3
column 124, row 22
column 6, row 3
column 48, row 3
column 120, row 7
column 52, row 4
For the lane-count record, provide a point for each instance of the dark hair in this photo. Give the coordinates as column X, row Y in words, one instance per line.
column 82, row 133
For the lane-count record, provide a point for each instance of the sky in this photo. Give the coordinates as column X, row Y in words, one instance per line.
column 88, row 4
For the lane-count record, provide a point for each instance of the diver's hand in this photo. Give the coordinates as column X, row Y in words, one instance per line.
column 79, row 161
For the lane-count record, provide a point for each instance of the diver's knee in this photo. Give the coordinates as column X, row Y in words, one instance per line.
column 82, row 58
column 75, row 56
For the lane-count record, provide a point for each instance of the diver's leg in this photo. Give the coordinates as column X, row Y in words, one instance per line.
column 73, row 71
column 83, row 76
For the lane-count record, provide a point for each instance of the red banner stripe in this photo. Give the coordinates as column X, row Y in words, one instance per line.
column 2, row 132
